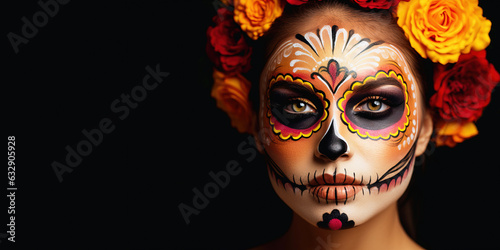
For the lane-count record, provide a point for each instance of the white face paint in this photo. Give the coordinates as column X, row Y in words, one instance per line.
column 341, row 113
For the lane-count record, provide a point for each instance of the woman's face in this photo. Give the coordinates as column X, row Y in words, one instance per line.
column 339, row 118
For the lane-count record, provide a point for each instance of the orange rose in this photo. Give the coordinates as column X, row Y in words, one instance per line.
column 231, row 94
column 255, row 17
column 451, row 133
column 441, row 30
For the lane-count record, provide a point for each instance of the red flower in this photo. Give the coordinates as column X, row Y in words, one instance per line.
column 464, row 89
column 377, row 4
column 226, row 45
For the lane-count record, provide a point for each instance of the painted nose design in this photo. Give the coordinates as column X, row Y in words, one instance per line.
column 331, row 145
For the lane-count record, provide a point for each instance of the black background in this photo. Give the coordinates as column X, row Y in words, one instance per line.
column 126, row 193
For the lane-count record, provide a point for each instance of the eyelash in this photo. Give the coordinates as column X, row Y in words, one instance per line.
column 289, row 108
column 373, row 114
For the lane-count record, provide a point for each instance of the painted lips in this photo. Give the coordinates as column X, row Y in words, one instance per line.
column 338, row 188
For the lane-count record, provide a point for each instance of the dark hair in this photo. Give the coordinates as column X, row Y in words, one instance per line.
column 373, row 21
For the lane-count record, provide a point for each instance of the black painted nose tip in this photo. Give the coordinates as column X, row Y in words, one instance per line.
column 331, row 145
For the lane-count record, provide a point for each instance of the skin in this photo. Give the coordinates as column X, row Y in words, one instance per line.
column 339, row 102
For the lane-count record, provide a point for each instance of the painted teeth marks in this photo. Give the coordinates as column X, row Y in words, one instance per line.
column 340, row 188
column 281, row 179
column 390, row 183
column 402, row 168
column 337, row 194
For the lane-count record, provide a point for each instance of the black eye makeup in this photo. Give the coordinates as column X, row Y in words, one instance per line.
column 295, row 106
column 377, row 104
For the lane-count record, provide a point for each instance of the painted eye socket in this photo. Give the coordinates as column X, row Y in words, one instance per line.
column 294, row 106
column 296, row 109
column 300, row 105
column 376, row 107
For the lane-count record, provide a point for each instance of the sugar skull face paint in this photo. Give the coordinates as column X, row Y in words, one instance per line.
column 341, row 115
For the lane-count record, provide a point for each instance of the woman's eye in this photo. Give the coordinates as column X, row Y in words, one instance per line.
column 295, row 106
column 372, row 106
column 300, row 106
column 376, row 108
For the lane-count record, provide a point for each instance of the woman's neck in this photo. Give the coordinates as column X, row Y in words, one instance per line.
column 384, row 231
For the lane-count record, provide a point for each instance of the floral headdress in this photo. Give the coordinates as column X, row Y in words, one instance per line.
column 453, row 34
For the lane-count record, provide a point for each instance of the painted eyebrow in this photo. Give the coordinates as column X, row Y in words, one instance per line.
column 297, row 91
column 294, row 87
column 378, row 83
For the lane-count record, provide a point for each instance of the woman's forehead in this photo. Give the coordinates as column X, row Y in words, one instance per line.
column 330, row 50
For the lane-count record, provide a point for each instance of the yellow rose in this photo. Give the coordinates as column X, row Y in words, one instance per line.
column 441, row 30
column 231, row 94
column 255, row 17
column 451, row 133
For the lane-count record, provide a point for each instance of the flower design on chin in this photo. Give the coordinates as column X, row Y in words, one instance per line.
column 335, row 221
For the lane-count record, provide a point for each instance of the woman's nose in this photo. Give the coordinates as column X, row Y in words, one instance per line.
column 332, row 145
